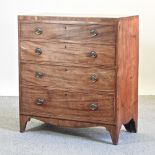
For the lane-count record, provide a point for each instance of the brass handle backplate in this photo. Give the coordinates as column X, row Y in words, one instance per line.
column 92, row 54
column 93, row 106
column 93, row 33
column 39, row 74
column 93, row 78
column 39, row 101
column 38, row 31
column 38, row 51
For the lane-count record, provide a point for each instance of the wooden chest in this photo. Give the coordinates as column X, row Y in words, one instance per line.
column 79, row 72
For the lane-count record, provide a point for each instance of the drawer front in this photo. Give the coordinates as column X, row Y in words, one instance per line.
column 87, row 55
column 86, row 33
column 98, row 108
column 68, row 78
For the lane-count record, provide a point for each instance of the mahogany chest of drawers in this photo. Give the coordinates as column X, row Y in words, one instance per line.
column 79, row 72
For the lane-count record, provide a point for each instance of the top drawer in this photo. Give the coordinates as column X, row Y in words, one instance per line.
column 73, row 33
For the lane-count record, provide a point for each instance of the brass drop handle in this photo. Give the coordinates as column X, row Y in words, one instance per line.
column 93, row 33
column 40, row 101
column 92, row 54
column 38, row 31
column 93, row 106
column 93, row 78
column 38, row 51
column 39, row 74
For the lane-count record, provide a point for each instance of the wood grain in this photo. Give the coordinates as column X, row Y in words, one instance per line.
column 68, row 105
column 66, row 54
column 65, row 123
column 68, row 78
column 69, row 33
column 67, row 20
column 127, row 73
column 70, row 123
column 66, row 86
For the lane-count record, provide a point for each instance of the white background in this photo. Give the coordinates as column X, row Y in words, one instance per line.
column 9, row 9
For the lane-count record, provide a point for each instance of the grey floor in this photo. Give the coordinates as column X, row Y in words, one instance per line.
column 43, row 139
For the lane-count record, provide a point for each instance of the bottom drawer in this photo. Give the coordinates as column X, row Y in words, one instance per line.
column 88, row 107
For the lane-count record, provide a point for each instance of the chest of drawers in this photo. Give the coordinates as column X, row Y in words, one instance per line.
column 79, row 72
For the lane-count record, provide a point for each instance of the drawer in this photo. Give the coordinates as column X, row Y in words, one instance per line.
column 89, row 107
column 68, row 78
column 66, row 53
column 74, row 33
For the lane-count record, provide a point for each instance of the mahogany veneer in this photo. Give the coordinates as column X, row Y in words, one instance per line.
column 79, row 72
